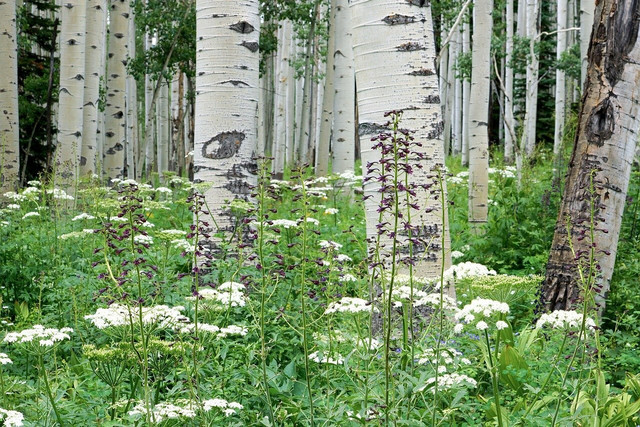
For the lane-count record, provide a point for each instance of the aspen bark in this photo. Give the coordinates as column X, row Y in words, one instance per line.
column 227, row 92
column 326, row 121
column 115, row 112
column 561, row 79
column 343, row 155
column 600, row 166
column 71, row 98
column 131, row 137
column 587, row 7
column 162, row 117
column 9, row 130
column 94, row 72
column 394, row 53
column 466, row 98
column 282, row 86
column 479, row 114
column 509, row 124
column 528, row 141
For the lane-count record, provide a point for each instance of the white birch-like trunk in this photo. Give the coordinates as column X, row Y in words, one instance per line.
column 561, row 79
column 291, row 102
column 466, row 97
column 149, row 136
column 71, row 98
column 282, row 85
column 326, row 118
column 227, row 89
column 394, row 53
column 132, row 107
column 443, row 75
column 587, row 8
column 449, row 112
column 479, row 114
column 94, row 72
column 343, row 141
column 162, row 111
column 509, row 122
column 115, row 111
column 457, row 101
column 9, row 130
column 528, row 142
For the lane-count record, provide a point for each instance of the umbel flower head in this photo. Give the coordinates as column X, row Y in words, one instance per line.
column 485, row 310
column 561, row 319
column 45, row 337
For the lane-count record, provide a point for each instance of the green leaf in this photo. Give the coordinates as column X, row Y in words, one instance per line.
column 510, row 361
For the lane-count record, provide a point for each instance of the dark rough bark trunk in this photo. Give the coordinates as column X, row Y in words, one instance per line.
column 600, row 165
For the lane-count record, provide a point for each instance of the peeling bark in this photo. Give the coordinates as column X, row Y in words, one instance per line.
column 603, row 149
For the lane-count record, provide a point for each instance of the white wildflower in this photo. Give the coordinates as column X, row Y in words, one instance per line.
column 343, row 258
column 458, row 328
column 318, row 358
column 183, row 245
column 450, row 381
column 329, row 244
column 330, row 211
column 142, row 239
column 285, row 223
column 15, row 196
column 11, row 418
column 45, row 336
column 349, row 305
column 13, row 206
column 501, row 324
column 482, row 325
column 164, row 190
column 456, row 254
column 348, row 278
column 4, row 359
column 82, row 216
column 562, row 319
column 59, row 194
column 163, row 411
column 30, row 214
column 228, row 408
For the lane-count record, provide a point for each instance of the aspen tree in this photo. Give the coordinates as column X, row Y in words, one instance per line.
column 71, row 98
column 343, row 155
column 9, row 130
column 394, row 55
column 600, row 166
column 479, row 114
column 115, row 112
column 561, row 79
column 227, row 92
column 94, row 72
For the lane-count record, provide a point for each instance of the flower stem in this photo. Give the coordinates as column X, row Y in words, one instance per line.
column 48, row 390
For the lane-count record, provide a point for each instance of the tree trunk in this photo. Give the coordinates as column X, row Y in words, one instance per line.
column 466, row 97
column 94, row 51
column 132, row 108
column 509, row 124
column 394, row 53
column 479, row 114
column 599, row 170
column 528, row 141
column 587, row 8
column 343, row 147
column 115, row 112
column 326, row 121
column 9, row 130
column 561, row 80
column 162, row 108
column 281, row 96
column 71, row 99
column 227, row 91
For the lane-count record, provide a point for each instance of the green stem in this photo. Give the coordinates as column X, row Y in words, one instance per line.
column 303, row 298
column 48, row 390
column 494, row 378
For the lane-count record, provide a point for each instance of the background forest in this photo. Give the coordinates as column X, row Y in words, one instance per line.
column 319, row 212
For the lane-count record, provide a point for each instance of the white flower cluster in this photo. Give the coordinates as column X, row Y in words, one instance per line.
column 349, row 305
column 229, row 408
column 13, row 206
column 164, row 190
column 72, row 235
column 11, row 418
column 449, row 381
column 59, row 194
column 456, row 254
column 4, row 359
column 228, row 293
column 484, row 308
column 45, row 337
column 403, row 294
column 30, row 214
column 183, row 245
column 316, row 357
column 467, row 269
column 215, row 330
column 163, row 411
column 82, row 216
column 285, row 223
column 329, row 244
column 331, row 211
column 507, row 172
column 447, row 356
column 171, row 234
column 562, row 319
column 348, row 278
column 12, row 195
column 118, row 315
column 142, row 239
